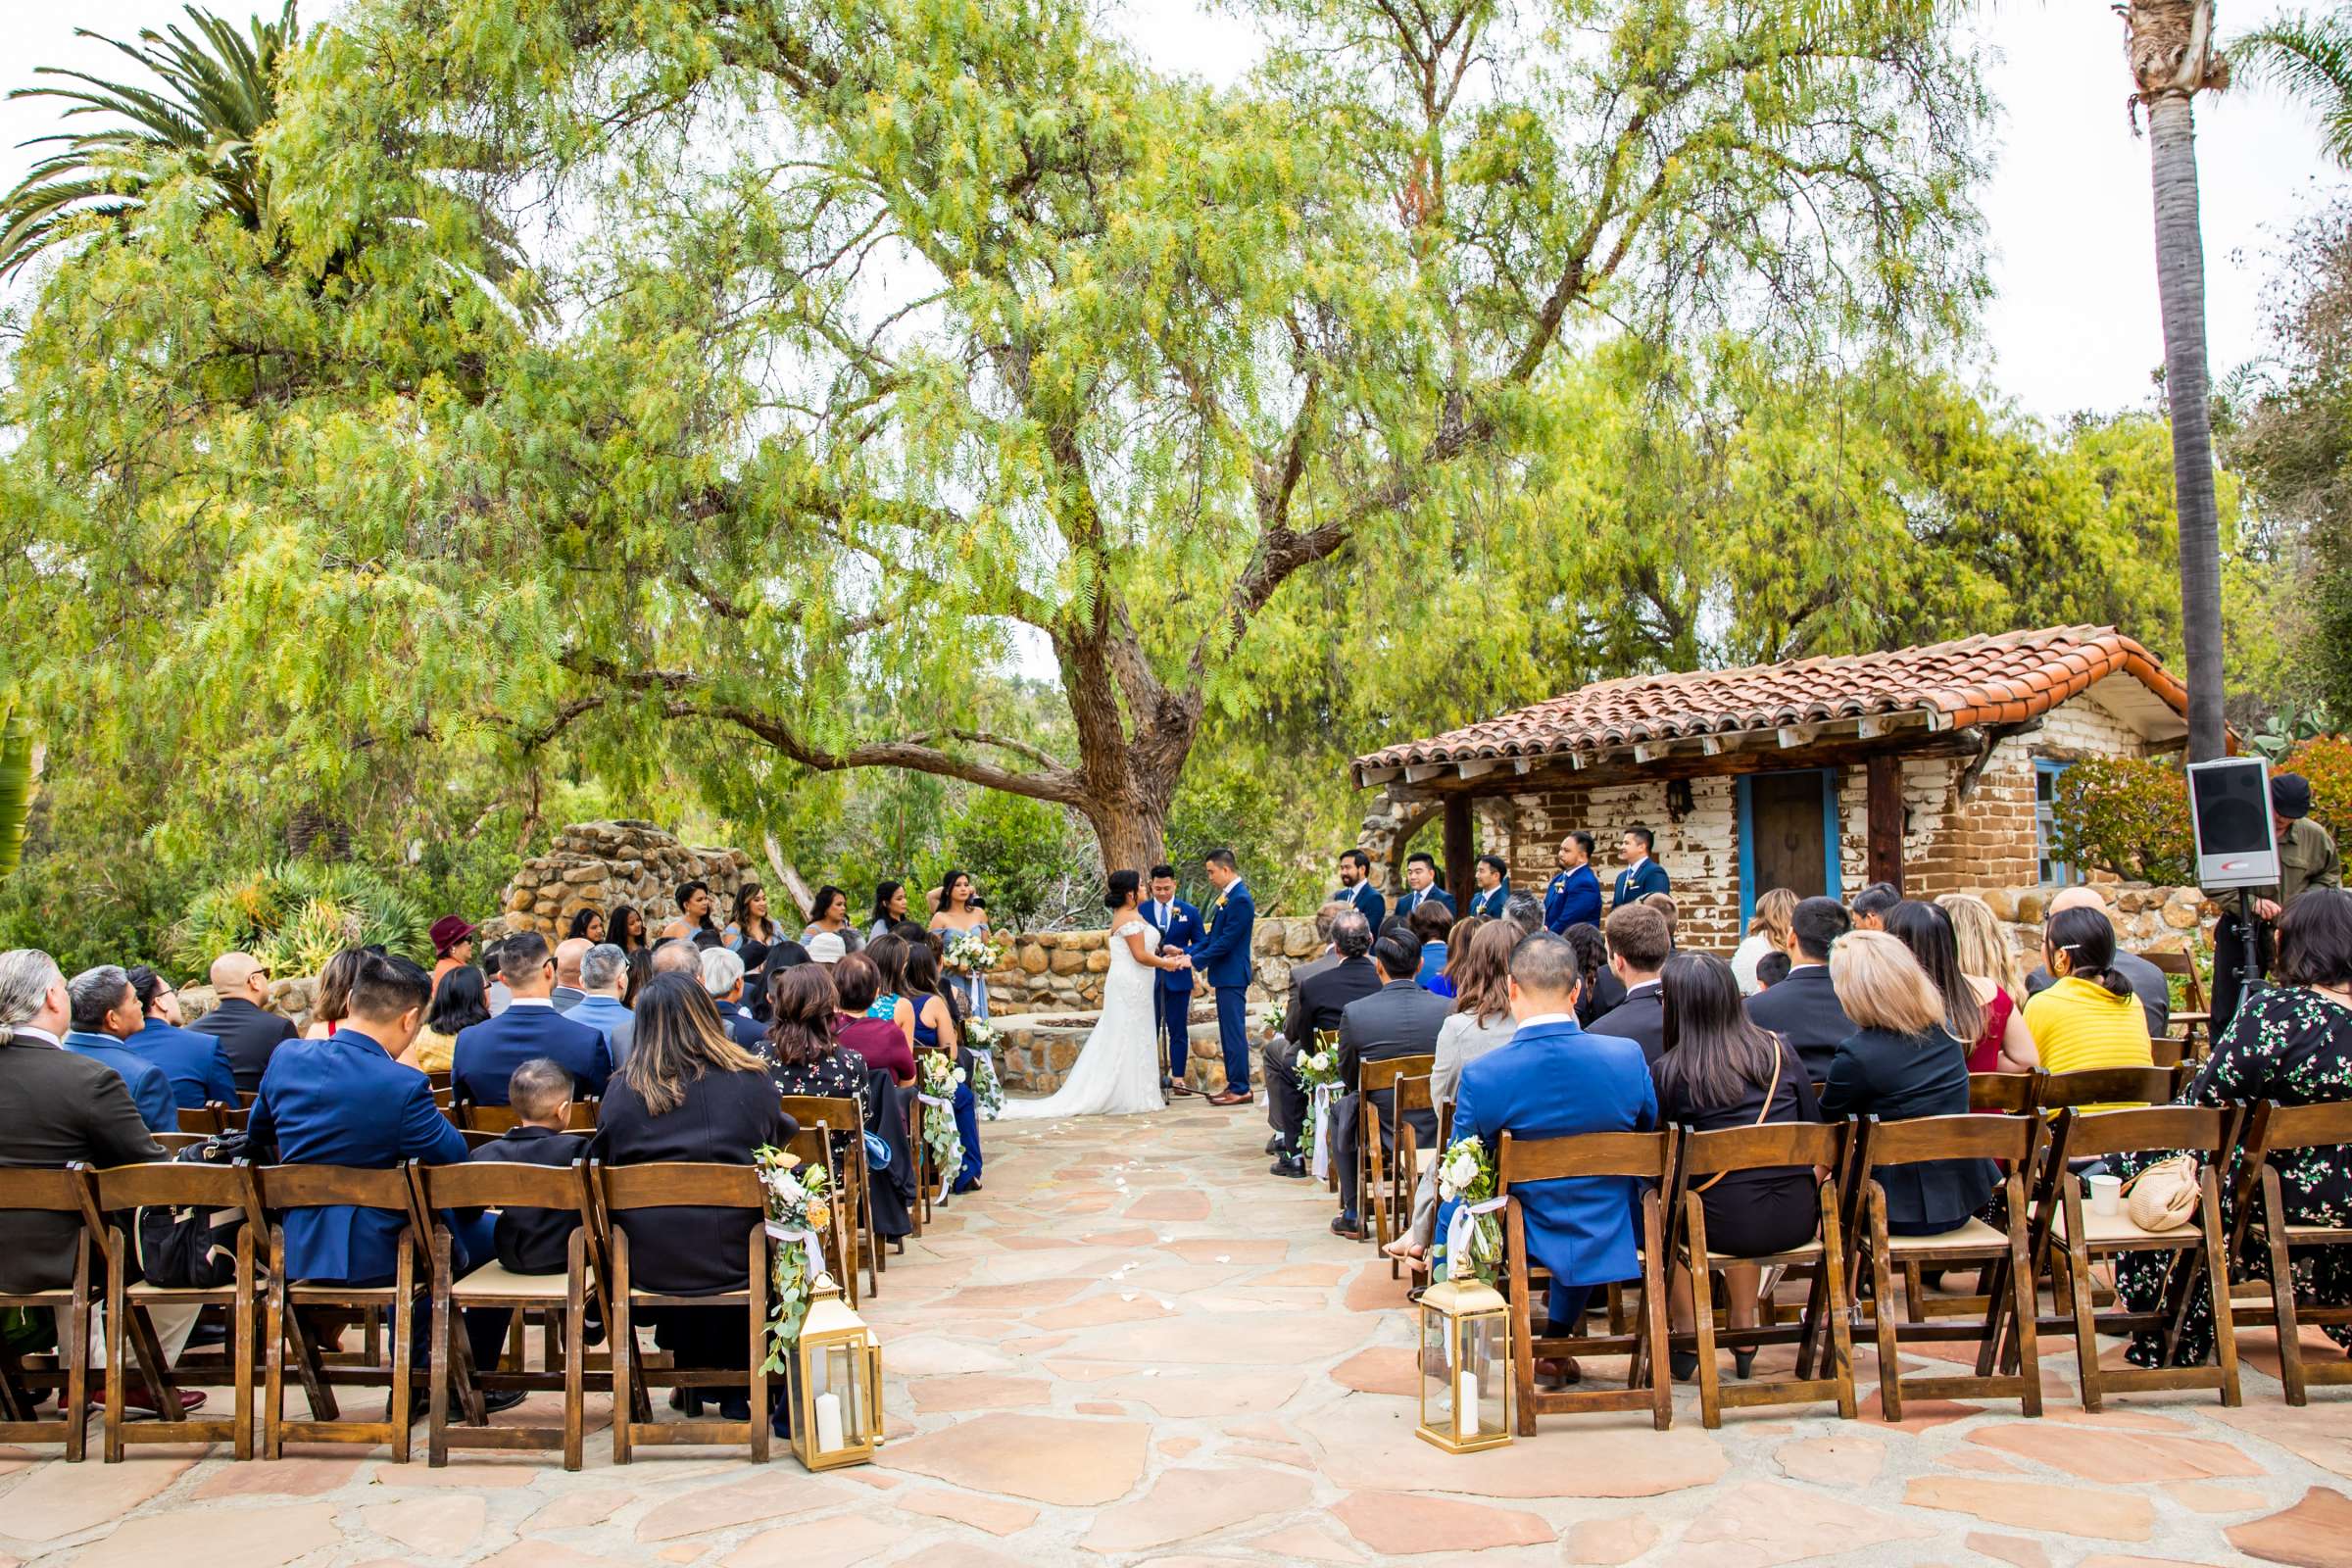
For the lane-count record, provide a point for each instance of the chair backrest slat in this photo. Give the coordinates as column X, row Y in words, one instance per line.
column 1378, row 1075
column 1763, row 1148
column 502, row 1184
column 1971, row 1137
column 40, row 1189
column 2097, row 1086
column 1413, row 1094
column 2306, row 1126
column 332, row 1187
column 175, row 1182
column 838, row 1112
column 679, row 1185
column 2004, row 1092
column 2192, row 1129
column 1542, row 1160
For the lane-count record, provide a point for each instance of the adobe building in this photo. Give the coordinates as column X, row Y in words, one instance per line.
column 1934, row 768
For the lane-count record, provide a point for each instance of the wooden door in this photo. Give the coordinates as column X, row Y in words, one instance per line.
column 1786, row 843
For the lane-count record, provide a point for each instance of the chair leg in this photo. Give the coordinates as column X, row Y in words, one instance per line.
column 240, row 1328
column 2027, row 1302
column 1702, row 1314
column 2283, row 1288
column 758, row 1347
column 2216, row 1270
column 1653, row 1316
column 2086, row 1332
column 575, row 1356
column 118, row 1307
column 404, row 1333
column 273, row 1398
column 1881, row 1278
column 1831, row 1298
column 444, row 1357
column 623, row 1339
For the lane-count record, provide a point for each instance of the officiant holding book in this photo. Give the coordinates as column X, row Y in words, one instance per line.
column 1222, row 957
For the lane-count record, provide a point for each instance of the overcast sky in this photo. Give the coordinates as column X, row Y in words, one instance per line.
column 2075, row 323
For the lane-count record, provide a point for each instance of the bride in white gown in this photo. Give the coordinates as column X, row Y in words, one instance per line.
column 1118, row 1073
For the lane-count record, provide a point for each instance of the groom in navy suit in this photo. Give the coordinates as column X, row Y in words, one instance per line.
column 1223, row 955
column 1179, row 927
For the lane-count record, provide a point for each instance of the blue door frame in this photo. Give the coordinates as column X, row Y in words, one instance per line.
column 1833, row 872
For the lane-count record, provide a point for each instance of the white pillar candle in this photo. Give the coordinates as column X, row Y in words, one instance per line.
column 1465, row 1411
column 828, row 1423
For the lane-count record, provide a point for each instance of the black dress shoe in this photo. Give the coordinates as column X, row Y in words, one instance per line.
column 1348, row 1225
column 1287, row 1167
column 686, row 1401
column 497, row 1399
column 1277, row 1144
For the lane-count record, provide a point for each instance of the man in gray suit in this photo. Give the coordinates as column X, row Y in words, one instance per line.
column 1280, row 1050
column 1318, row 1003
column 1399, row 1019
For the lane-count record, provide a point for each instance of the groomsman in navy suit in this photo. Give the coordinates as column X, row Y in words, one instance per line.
column 1223, row 957
column 487, row 1053
column 1493, row 895
column 1641, row 875
column 1179, row 927
column 1421, row 886
column 1574, row 897
column 1357, row 890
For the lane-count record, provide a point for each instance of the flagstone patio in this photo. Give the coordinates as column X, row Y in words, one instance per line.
column 1137, row 1348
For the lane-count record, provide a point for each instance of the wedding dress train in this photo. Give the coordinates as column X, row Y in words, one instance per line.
column 1119, row 1072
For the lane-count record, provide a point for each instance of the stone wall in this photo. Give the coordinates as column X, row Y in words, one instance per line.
column 2148, row 920
column 603, row 866
column 1062, row 971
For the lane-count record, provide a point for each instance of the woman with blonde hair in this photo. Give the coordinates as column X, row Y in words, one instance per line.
column 2005, row 1043
column 1767, row 932
column 1481, row 973
column 1903, row 1063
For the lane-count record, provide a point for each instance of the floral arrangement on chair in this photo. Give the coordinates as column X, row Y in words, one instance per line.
column 1319, row 1082
column 973, row 952
column 800, row 1206
column 988, row 1089
column 1270, row 1018
column 937, row 1085
column 1466, row 1176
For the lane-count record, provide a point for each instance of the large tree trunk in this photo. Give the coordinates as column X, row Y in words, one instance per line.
column 1132, row 832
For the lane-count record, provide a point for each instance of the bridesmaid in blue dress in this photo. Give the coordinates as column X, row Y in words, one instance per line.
column 936, row 1027
column 959, row 913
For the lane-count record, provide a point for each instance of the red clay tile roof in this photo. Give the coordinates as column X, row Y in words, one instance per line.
column 1976, row 680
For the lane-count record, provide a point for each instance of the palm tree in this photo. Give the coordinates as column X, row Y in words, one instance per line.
column 2171, row 49
column 2309, row 57
column 216, row 90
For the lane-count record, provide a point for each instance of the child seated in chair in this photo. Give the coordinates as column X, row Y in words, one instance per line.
column 535, row 1241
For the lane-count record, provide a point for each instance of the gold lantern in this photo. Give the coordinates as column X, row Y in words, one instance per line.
column 1465, row 1366
column 836, row 1384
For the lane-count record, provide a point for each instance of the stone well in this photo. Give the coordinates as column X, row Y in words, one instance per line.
column 603, row 866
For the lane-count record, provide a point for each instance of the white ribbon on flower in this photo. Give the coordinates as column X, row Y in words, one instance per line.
column 806, row 1239
column 1460, row 1229
column 1322, row 1114
column 948, row 1105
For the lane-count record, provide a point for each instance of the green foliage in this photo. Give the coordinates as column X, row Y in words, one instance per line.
column 2127, row 817
column 297, row 915
column 16, row 785
column 1025, row 858
column 2327, row 761
column 2308, row 58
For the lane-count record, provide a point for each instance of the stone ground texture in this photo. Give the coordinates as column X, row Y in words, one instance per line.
column 1137, row 1348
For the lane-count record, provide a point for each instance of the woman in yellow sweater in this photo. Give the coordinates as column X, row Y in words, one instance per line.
column 2090, row 1017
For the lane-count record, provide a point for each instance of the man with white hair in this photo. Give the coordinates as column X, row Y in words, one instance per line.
column 722, row 978
column 605, row 980
column 2148, row 983
column 678, row 955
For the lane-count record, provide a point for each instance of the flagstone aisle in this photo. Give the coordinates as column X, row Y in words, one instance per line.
column 1137, row 1348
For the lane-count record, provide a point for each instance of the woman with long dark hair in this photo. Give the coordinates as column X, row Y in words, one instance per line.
column 626, row 929
column 587, row 926
column 803, row 1055
column 749, row 923
column 461, row 1001
column 1720, row 1070
column 890, row 907
column 938, row 1026
column 1927, row 931
column 960, row 914
column 829, row 914
column 1600, row 991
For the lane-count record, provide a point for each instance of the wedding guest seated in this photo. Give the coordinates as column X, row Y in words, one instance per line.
column 678, row 955
column 722, row 978
column 1663, row 903
column 1597, row 990
column 939, row 1026
column 1771, row 970
column 1316, row 1004
column 346, row 1100
column 2289, row 1041
column 2090, row 1017
column 1767, row 932
column 331, row 1002
column 1720, row 1070
column 196, row 1064
column 460, row 1002
column 1555, row 1079
column 605, row 980
column 1899, row 1063
column 452, row 937
column 1457, row 940
column 879, row 1042
column 534, row 1240
column 586, row 924
column 488, row 1053
column 1927, row 930
column 2005, row 1043
column 1431, row 923
column 569, row 952
column 1524, row 911
column 1640, row 941
column 1479, row 1022
column 494, row 985
column 802, row 1056
column 239, row 1019
column 1399, row 1019
column 1803, row 1010
column 1872, row 903
column 107, row 1014
column 2148, row 983
column 689, row 1093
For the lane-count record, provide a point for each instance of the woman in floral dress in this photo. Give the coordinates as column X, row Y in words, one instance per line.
column 2291, row 1042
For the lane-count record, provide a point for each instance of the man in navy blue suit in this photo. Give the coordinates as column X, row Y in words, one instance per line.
column 1494, row 896
column 197, row 1064
column 1641, row 875
column 1179, row 927
column 1357, row 890
column 106, row 1014
column 487, row 1053
column 1222, row 958
column 1553, row 1080
column 1574, row 897
column 1420, row 886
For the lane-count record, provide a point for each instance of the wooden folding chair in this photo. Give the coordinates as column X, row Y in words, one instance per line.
column 286, row 1188
column 621, row 1189
column 853, row 1238
column 2074, row 1236
column 2002, row 1093
column 1411, row 1161
column 1374, row 1162
column 503, row 1184
column 25, row 1189
column 2196, row 1018
column 176, row 1184
column 1641, row 1156
column 2013, row 1141
column 1708, row 1155
column 207, row 1120
column 2276, row 1130
column 499, row 1120
column 919, row 1153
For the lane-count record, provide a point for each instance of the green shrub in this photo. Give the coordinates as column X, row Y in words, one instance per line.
column 2326, row 761
column 297, row 915
column 2127, row 817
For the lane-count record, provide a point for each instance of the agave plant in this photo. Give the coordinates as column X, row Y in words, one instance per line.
column 296, row 915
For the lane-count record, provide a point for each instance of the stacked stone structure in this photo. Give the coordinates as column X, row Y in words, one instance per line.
column 603, row 866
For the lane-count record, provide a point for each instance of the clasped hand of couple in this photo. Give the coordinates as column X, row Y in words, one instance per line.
column 1179, row 960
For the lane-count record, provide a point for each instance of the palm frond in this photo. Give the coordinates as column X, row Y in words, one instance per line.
column 2308, row 58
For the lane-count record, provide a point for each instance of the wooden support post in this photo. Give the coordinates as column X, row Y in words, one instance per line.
column 1461, row 849
column 1884, row 800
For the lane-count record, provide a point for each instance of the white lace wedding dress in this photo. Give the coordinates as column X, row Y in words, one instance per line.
column 1119, row 1072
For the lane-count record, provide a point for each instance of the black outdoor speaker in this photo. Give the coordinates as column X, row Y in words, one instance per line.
column 2229, row 807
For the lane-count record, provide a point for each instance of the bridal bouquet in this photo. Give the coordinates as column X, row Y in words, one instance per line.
column 987, row 1089
column 800, row 1206
column 940, row 1078
column 1270, row 1018
column 974, row 951
column 1318, row 1070
column 1466, row 1177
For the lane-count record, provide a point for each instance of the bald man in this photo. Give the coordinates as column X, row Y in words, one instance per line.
column 2148, row 982
column 569, row 993
column 247, row 1031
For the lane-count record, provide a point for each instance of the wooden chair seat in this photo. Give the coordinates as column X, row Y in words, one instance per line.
column 2115, row 1231
column 2318, row 1235
column 494, row 1282
column 2272, row 1131
column 1383, row 1190
column 32, row 1190
column 1972, row 1238
column 1423, row 1160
